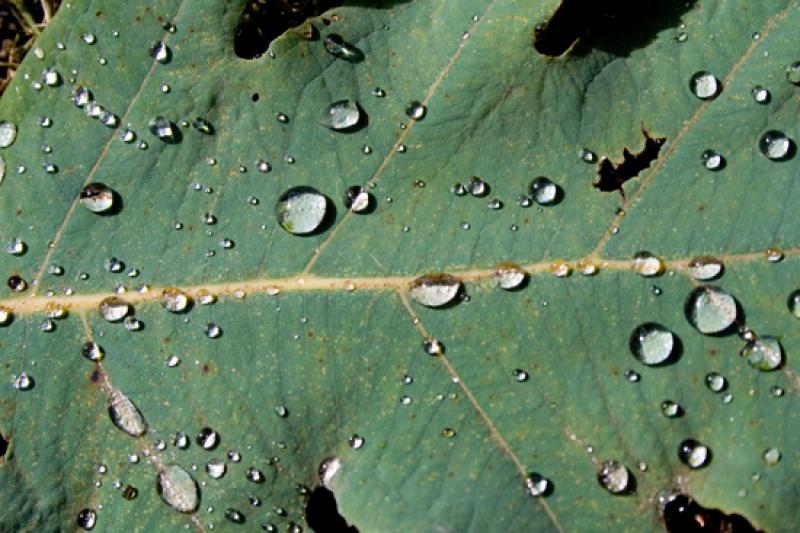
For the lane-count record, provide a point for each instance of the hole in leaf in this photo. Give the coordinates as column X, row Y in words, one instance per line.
column 322, row 513
column 616, row 26
column 3, row 448
column 264, row 20
column 614, row 175
column 683, row 514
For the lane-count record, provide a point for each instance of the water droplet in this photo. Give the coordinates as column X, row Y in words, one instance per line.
column 646, row 264
column 355, row 441
column 671, row 409
column 337, row 46
column 125, row 415
column 87, row 519
column 234, row 516
column 89, row 38
column 543, row 191
column 704, row 85
column 716, row 382
column 207, row 438
column 520, row 375
column 614, row 477
column 559, row 269
column 705, row 267
column 495, row 204
column 477, row 187
column 16, row 283
column 587, row 155
column 710, row 309
column 693, row 454
column 712, row 160
column 509, row 276
column 356, row 199
column 415, row 110
column 536, row 484
column 282, row 117
column 114, row 308
column 263, row 166
column 435, row 290
column 254, row 475
column 175, row 300
column 216, row 468
column 203, row 126
column 341, row 115
column 51, row 77
column 378, row 92
column 5, row 316
column 760, row 94
column 24, row 382
column 793, row 73
column 652, row 343
column 775, row 145
column 681, row 37
column 16, row 247
column 159, row 51
column 433, row 346
column 93, row 351
column 8, row 134
column 773, row 255
column 632, row 376
column 97, row 197
column 173, row 361
column 81, row 95
column 458, row 189
column 163, row 129
column 301, row 210
column 448, row 433
column 178, row 489
column 772, row 456
column 763, row 353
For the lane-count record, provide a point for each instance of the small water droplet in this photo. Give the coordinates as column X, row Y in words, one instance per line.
column 543, row 191
column 764, row 353
column 338, row 47
column 341, row 115
column 652, row 343
column 559, row 269
column 775, row 145
column 212, row 330
column 433, row 346
column 509, row 276
column 712, row 160
column 415, row 110
column 93, row 351
column 282, row 117
column 207, row 438
column 587, row 155
column 773, row 255
column 203, row 126
column 301, row 210
column 705, row 267
column 97, row 197
column 125, row 415
column 681, row 37
column 632, row 376
column 114, row 308
column 760, row 94
column 477, row 187
column 537, row 485
column 772, row 456
column 614, row 477
column 646, row 264
column 16, row 247
column 520, row 375
column 704, row 85
column 5, row 316
column 159, row 51
column 163, row 129
column 178, row 489
column 356, row 441
column 175, row 300
column 448, row 433
column 24, row 382
column 710, row 309
column 378, row 92
column 216, row 468
column 716, row 382
column 89, row 38
column 694, row 454
column 356, row 199
column 87, row 519
column 435, row 290
column 671, row 409
column 793, row 73
column 173, row 361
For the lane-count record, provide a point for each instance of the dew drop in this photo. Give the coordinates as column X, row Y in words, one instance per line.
column 477, row 187
column 536, row 484
column 341, row 115
column 775, row 145
column 793, row 73
column 87, row 519
column 543, row 191
column 433, row 346
column 207, row 438
column 16, row 247
column 652, row 343
column 114, row 308
column 175, row 300
column 159, row 51
column 178, row 489
column 448, row 433
column 301, row 210
column 125, row 415
column 764, row 353
column 712, row 160
column 710, row 309
column 338, row 47
column 356, row 441
column 254, row 474
column 163, row 129
column 520, row 375
column 671, row 409
column 705, row 267
column 415, row 110
column 716, row 382
column 5, row 316
column 24, row 382
column 435, row 290
column 51, row 77
column 378, row 92
column 216, row 468
column 614, row 477
column 693, row 454
column 760, row 94
column 646, row 264
column 587, row 155
column 772, row 456
column 704, row 85
column 93, row 351
column 356, row 199
column 773, row 255
column 97, row 197
column 509, row 276
column 8, row 134
column 89, row 38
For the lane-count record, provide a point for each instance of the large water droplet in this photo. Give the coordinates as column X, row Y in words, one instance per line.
column 356, row 199
column 162, row 128
column 125, row 415
column 159, row 51
column 93, row 351
column 337, row 46
column 341, row 115
column 704, row 85
column 301, row 210
column 509, row 276
column 537, row 485
column 705, row 267
column 435, row 290
column 8, row 134
column 207, row 438
column 763, row 353
column 114, row 308
column 216, row 468
column 87, row 519
column 693, row 454
column 671, row 409
column 646, row 264
column 652, row 343
column 775, row 145
column 178, row 489
column 97, row 197
column 24, row 382
column 415, row 110
column 710, row 309
column 543, row 191
column 5, row 316
column 175, row 300
column 614, row 477
column 772, row 456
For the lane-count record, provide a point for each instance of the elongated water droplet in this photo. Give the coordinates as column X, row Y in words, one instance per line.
column 509, row 276
column 775, row 145
column 536, row 484
column 16, row 247
column 337, row 46
column 356, row 199
column 763, row 353
column 705, row 267
column 341, row 115
column 87, row 519
column 710, row 309
column 207, row 438
column 93, row 351
column 97, row 197
column 162, row 128
column 8, row 134
column 712, row 160
column 704, row 85
column 794, row 303
column 614, row 477
column 772, row 456
column 159, row 51
column 5, row 316
column 543, row 191
column 114, row 308
column 175, row 300
column 327, row 470
column 125, row 415
column 301, row 210
column 435, row 290
column 652, row 343
column 646, row 264
column 178, row 489
column 694, row 454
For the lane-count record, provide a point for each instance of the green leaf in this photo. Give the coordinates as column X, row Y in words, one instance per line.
column 322, row 325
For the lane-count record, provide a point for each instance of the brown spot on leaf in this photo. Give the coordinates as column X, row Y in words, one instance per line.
column 612, row 176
